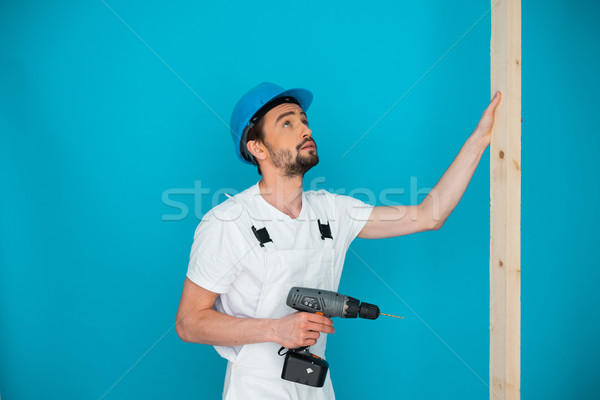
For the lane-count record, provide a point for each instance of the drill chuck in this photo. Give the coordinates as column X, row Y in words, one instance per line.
column 368, row 311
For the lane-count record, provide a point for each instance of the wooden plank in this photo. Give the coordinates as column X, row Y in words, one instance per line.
column 505, row 193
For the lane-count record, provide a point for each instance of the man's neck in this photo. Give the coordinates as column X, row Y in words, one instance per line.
column 285, row 194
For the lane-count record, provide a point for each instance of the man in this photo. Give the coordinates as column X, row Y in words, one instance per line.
column 251, row 249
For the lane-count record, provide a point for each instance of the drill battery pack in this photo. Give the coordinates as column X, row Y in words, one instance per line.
column 301, row 366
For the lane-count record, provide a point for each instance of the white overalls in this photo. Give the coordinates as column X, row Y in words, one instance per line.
column 256, row 371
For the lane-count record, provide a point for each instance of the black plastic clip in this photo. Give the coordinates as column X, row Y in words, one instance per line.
column 325, row 230
column 262, row 235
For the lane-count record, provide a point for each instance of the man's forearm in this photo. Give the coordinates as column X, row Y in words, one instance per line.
column 218, row 329
column 445, row 195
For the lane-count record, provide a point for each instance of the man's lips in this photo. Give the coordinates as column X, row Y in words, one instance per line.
column 309, row 145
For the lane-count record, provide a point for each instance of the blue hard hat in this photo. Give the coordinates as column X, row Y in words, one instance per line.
column 250, row 104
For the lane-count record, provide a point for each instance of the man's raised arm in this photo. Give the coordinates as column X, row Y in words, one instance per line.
column 432, row 212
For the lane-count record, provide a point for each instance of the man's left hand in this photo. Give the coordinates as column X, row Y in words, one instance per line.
column 484, row 127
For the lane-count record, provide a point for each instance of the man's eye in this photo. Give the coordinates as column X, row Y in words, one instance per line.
column 286, row 123
column 306, row 123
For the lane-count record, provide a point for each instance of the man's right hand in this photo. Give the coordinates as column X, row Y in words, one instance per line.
column 300, row 329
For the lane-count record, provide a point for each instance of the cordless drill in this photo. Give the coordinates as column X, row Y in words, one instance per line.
column 300, row 364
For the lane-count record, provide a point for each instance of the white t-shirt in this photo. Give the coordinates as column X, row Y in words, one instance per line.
column 227, row 261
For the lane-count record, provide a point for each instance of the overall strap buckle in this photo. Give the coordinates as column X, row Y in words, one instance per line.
column 325, row 230
column 262, row 235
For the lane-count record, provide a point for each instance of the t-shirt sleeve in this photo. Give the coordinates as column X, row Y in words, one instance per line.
column 213, row 257
column 353, row 214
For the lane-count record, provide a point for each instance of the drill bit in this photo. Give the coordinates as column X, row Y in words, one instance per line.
column 390, row 315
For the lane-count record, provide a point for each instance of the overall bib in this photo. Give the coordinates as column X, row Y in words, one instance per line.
column 256, row 371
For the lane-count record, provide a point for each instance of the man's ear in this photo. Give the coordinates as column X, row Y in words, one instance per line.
column 257, row 149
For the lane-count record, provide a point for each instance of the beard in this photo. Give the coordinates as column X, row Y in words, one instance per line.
column 293, row 166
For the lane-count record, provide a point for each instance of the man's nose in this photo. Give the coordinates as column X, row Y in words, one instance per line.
column 306, row 132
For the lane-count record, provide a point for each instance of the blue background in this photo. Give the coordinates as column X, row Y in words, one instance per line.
column 102, row 129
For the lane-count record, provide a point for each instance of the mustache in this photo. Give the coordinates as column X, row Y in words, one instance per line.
column 301, row 145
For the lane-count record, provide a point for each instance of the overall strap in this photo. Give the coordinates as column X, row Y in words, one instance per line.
column 251, row 228
column 319, row 211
